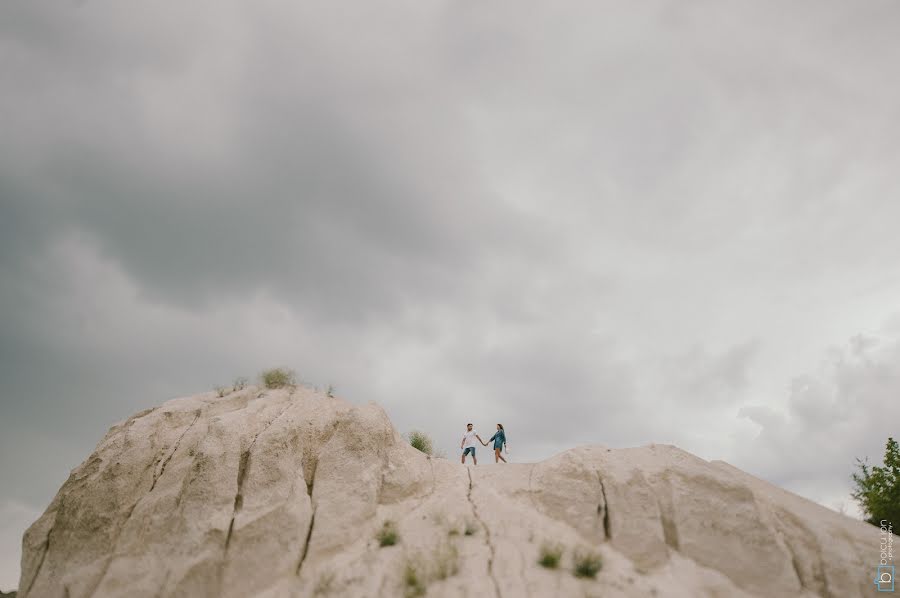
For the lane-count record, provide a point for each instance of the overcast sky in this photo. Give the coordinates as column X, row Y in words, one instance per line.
column 604, row 222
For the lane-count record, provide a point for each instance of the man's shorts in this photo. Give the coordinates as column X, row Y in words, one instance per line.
column 466, row 452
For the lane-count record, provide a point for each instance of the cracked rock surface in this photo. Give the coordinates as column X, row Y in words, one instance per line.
column 282, row 493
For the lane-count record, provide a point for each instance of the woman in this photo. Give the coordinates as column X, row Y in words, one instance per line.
column 499, row 441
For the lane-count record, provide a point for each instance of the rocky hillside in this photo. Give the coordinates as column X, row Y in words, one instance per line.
column 292, row 493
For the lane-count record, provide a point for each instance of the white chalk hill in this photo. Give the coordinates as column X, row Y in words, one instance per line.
column 282, row 493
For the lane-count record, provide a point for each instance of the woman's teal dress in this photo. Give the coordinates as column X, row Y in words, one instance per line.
column 499, row 439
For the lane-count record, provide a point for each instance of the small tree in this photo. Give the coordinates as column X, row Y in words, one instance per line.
column 878, row 488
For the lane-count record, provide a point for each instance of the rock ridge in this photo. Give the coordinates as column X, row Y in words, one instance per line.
column 281, row 493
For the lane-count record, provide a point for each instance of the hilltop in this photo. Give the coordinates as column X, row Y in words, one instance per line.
column 292, row 492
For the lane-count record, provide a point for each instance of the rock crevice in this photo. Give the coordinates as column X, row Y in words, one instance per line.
column 487, row 536
column 603, row 508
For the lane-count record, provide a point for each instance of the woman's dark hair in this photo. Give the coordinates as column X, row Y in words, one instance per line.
column 500, row 426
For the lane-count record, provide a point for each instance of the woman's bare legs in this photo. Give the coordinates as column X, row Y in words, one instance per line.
column 497, row 456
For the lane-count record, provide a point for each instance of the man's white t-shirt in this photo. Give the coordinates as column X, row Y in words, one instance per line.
column 469, row 439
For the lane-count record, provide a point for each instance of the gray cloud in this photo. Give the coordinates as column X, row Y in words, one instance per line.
column 843, row 411
column 594, row 223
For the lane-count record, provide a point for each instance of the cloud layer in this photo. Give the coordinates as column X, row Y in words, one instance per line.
column 602, row 222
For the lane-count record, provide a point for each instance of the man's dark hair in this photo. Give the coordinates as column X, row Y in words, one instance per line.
column 469, row 424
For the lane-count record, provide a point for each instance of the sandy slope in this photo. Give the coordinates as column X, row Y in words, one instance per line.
column 278, row 493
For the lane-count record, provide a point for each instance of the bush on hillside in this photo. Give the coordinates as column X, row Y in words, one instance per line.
column 878, row 488
column 278, row 378
column 421, row 441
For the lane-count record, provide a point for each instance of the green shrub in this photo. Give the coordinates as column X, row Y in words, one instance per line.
column 221, row 391
column 878, row 488
column 240, row 383
column 550, row 555
column 278, row 378
column 587, row 564
column 421, row 440
column 387, row 535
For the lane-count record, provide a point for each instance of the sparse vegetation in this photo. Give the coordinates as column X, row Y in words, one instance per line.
column 471, row 527
column 446, row 561
column 421, row 440
column 468, row 527
column 240, row 383
column 878, row 488
column 549, row 555
column 443, row 563
column 387, row 535
column 587, row 564
column 324, row 584
column 329, row 392
column 278, row 378
column 413, row 582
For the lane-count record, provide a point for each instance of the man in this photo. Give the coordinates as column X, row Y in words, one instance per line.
column 468, row 444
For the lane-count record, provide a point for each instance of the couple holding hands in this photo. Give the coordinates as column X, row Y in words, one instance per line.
column 468, row 443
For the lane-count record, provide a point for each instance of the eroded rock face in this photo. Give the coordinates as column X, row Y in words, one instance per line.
column 282, row 493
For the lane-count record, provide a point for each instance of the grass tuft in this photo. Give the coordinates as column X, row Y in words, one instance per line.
column 387, row 535
column 550, row 555
column 442, row 563
column 446, row 561
column 587, row 564
column 413, row 581
column 471, row 528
